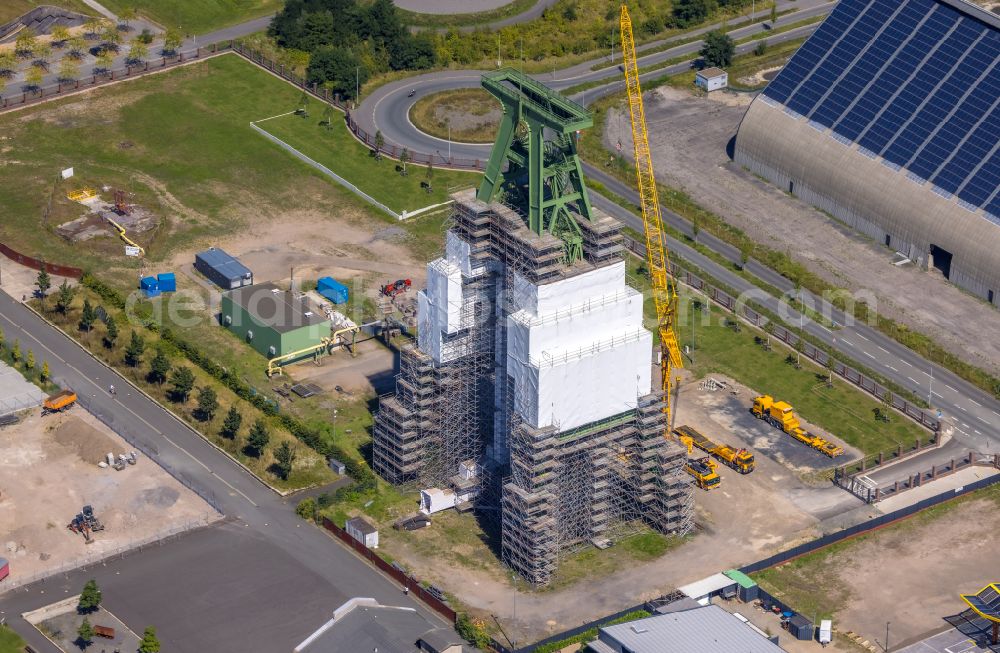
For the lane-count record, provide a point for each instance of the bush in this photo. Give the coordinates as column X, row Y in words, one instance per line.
column 306, row 509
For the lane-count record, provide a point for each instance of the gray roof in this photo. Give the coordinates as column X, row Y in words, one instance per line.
column 709, row 628
column 223, row 263
column 711, row 72
column 440, row 639
column 361, row 525
column 281, row 310
column 366, row 626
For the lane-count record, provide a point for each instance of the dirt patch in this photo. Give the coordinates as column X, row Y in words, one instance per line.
column 49, row 471
column 472, row 114
column 689, row 137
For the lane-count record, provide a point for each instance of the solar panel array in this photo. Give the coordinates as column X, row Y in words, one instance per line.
column 916, row 83
column 986, row 602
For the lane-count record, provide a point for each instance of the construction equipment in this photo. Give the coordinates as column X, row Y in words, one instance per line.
column 664, row 288
column 739, row 459
column 702, row 470
column 60, row 401
column 122, row 207
column 397, row 287
column 81, row 195
column 781, row 415
column 325, row 346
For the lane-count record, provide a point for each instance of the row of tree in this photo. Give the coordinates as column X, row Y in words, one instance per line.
column 90, row 602
column 28, row 358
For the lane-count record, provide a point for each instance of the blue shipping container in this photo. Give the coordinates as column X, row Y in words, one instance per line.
column 148, row 283
column 166, row 282
column 152, row 292
column 333, row 290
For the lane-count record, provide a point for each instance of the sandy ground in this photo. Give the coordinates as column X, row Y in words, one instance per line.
column 747, row 518
column 48, row 471
column 19, row 281
column 689, row 136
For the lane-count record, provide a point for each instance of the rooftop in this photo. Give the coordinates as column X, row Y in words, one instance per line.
column 361, row 525
column 708, row 628
column 224, row 263
column 363, row 625
column 276, row 308
column 711, row 72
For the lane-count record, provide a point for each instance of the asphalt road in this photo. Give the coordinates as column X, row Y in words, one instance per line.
column 331, row 569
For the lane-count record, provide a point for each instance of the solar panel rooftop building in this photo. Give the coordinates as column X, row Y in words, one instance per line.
column 888, row 117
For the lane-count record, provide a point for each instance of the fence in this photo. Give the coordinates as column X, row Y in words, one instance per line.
column 323, row 94
column 404, row 580
column 864, row 491
column 808, row 350
column 37, row 264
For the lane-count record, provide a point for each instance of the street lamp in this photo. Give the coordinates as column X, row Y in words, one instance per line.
column 357, row 84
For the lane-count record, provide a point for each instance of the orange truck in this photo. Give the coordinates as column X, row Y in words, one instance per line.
column 781, row 415
column 58, row 402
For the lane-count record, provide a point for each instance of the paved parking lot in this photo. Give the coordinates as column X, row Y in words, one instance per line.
column 950, row 641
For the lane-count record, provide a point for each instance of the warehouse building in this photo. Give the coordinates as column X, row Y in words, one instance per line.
column 273, row 321
column 222, row 269
column 888, row 118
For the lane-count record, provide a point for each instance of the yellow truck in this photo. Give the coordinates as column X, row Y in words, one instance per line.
column 703, row 472
column 739, row 459
column 59, row 402
column 781, row 415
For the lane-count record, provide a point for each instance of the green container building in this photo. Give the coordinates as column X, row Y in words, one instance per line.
column 272, row 320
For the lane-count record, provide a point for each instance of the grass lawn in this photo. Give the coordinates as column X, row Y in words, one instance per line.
column 337, row 149
column 11, row 9
column 198, row 16
column 437, row 21
column 474, row 105
column 10, row 642
column 591, row 562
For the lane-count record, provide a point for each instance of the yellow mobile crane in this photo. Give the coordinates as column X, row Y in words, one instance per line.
column 664, row 291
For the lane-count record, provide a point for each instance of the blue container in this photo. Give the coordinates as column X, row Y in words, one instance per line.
column 333, row 290
column 151, row 292
column 148, row 283
column 166, row 282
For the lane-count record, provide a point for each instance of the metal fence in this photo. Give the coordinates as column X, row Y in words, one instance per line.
column 808, row 350
column 37, row 264
column 46, row 93
column 859, row 486
column 415, row 588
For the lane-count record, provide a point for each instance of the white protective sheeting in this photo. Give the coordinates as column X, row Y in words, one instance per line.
column 439, row 307
column 577, row 351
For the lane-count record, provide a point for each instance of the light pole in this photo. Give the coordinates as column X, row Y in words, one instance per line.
column 612, row 45
column 693, row 339
column 357, row 84
column 513, row 621
column 334, row 422
column 887, row 637
column 449, row 140
column 930, row 387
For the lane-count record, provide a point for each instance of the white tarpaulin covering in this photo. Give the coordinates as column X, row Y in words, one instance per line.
column 577, row 351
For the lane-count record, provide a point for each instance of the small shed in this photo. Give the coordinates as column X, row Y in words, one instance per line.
column 362, row 531
column 703, row 590
column 337, row 466
column 4, row 568
column 222, row 269
column 801, row 627
column 434, row 500
column 149, row 286
column 333, row 290
column 711, row 79
column 747, row 590
column 167, row 282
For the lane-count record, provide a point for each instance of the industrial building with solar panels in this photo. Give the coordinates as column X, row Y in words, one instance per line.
column 888, row 118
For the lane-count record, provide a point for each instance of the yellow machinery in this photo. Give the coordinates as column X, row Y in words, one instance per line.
column 739, row 459
column 121, row 234
column 326, row 346
column 702, row 470
column 81, row 195
column 780, row 415
column 664, row 291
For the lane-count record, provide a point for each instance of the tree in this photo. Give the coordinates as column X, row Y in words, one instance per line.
column 90, row 597
column 15, row 353
column 718, row 49
column 111, row 38
column 8, row 62
column 65, row 297
column 149, row 643
column 92, row 27
column 87, row 316
column 126, row 16
column 774, row 14
column 746, row 248
column 46, row 374
column 182, row 381
column 695, row 227
column 43, row 281
column 306, row 509
column 379, row 144
column 69, row 69
column 338, row 68
column 103, row 63
column 285, row 456
column 41, row 55
column 33, row 78
column 29, row 361
column 85, row 633
column 760, row 48
column 111, row 336
column 76, row 46
column 137, row 53
column 208, row 403
column 172, row 41
column 134, row 350
column 25, row 43
column 404, row 158
column 692, row 12
column 159, row 367
column 231, row 425
column 258, row 439
column 60, row 34
column 430, row 175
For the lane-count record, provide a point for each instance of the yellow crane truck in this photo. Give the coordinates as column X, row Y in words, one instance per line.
column 703, row 472
column 739, row 459
column 781, row 415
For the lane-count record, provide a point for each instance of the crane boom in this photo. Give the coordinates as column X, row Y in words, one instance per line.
column 664, row 290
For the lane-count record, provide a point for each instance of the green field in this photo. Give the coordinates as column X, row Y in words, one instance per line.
column 11, row 9
column 10, row 642
column 198, row 16
column 338, row 150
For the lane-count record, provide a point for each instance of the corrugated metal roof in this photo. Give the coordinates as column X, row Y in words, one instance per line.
column 277, row 308
column 709, row 628
column 741, row 579
column 706, row 586
column 227, row 265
